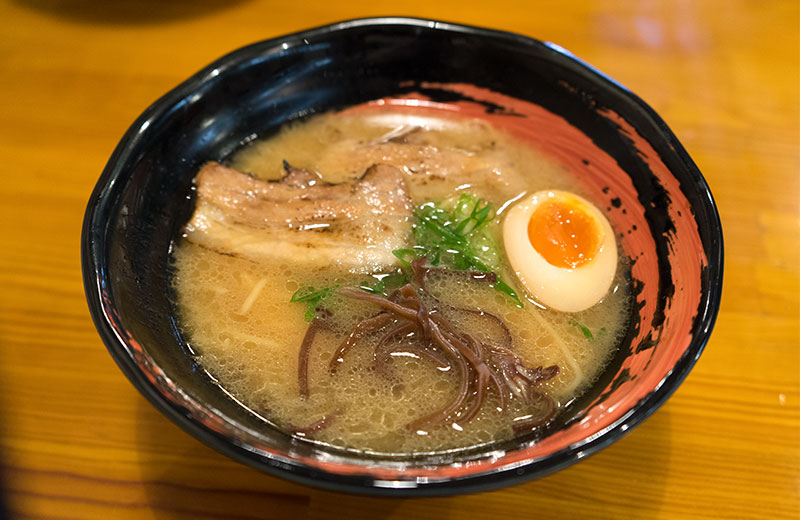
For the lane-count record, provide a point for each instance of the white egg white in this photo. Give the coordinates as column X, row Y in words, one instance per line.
column 559, row 288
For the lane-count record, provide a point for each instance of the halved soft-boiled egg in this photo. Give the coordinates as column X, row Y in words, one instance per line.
column 562, row 249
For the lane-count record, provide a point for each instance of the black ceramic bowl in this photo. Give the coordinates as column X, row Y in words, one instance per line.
column 613, row 142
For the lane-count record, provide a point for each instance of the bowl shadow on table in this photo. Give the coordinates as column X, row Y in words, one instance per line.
column 193, row 481
column 127, row 12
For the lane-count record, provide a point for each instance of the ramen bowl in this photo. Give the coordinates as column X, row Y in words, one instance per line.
column 617, row 146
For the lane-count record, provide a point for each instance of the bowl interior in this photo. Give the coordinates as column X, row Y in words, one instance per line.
column 614, row 142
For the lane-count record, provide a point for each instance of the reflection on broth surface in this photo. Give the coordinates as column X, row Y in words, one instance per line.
column 446, row 326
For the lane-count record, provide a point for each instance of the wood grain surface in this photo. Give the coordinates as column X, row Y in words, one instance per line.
column 78, row 441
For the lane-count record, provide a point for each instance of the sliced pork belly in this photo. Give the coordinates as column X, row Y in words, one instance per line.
column 301, row 218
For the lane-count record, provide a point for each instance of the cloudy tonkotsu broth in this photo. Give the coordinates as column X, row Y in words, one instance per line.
column 237, row 315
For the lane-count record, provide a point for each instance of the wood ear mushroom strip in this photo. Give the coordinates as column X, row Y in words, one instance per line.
column 481, row 367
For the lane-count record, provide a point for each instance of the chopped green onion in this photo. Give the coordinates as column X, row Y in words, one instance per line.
column 313, row 299
column 586, row 332
column 503, row 287
column 458, row 238
column 403, row 254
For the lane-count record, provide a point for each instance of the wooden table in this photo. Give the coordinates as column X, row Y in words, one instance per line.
column 78, row 441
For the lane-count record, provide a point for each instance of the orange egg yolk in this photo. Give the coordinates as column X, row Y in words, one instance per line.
column 564, row 233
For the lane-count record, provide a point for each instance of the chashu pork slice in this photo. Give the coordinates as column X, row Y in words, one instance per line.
column 355, row 225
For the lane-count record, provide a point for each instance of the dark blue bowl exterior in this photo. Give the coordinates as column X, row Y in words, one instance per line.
column 143, row 198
